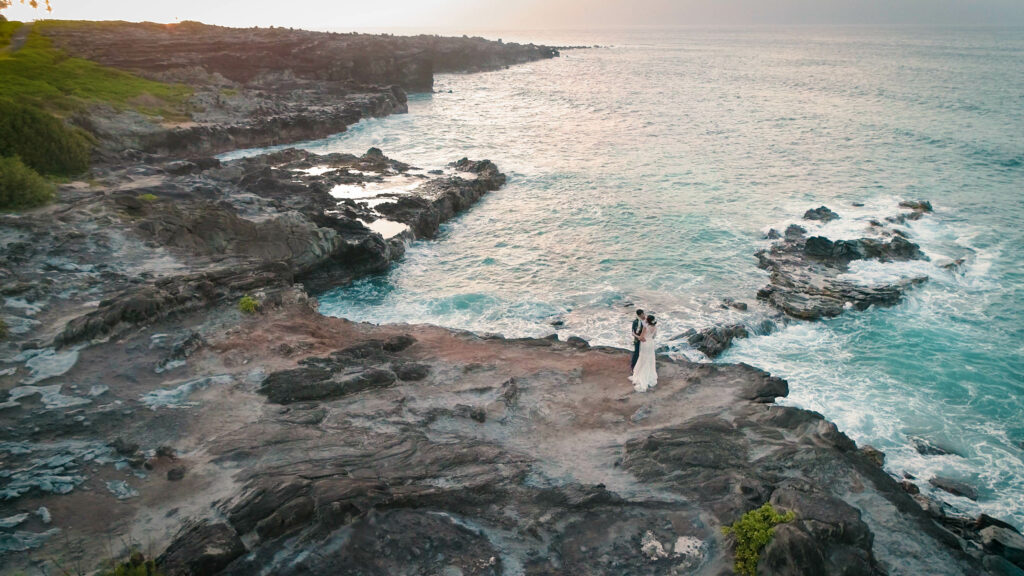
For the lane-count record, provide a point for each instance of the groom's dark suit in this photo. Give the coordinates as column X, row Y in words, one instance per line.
column 638, row 327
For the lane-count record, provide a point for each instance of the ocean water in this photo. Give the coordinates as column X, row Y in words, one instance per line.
column 646, row 172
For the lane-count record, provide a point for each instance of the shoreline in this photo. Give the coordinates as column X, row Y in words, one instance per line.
column 150, row 404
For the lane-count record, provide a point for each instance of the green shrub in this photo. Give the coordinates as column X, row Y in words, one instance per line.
column 42, row 141
column 248, row 305
column 753, row 531
column 147, row 197
column 21, row 187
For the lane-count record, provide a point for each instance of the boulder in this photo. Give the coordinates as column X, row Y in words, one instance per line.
column 713, row 341
column 917, row 205
column 954, row 487
column 795, row 232
column 874, row 455
column 821, row 214
column 929, row 448
column 1004, row 542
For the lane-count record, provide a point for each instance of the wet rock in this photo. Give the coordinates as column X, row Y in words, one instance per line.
column 954, row 487
column 772, row 234
column 821, row 214
column 202, row 549
column 734, row 304
column 917, row 205
column 928, row 448
column 807, row 276
column 713, row 341
column 795, row 232
column 909, row 487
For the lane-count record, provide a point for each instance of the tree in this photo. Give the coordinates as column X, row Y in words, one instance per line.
column 33, row 3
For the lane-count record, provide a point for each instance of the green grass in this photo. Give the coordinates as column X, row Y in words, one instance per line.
column 148, row 197
column 248, row 305
column 42, row 75
column 21, row 187
column 6, row 30
column 753, row 531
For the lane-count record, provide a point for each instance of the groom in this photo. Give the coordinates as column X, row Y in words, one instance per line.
column 638, row 328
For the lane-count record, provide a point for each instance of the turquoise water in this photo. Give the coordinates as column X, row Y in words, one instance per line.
column 646, row 173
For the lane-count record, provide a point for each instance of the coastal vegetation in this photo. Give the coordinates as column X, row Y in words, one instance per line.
column 40, row 74
column 22, row 187
column 248, row 305
column 42, row 87
column 753, row 531
column 43, row 142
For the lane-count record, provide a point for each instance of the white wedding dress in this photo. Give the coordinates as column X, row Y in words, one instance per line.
column 645, row 373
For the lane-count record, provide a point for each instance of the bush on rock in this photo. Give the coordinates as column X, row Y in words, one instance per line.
column 752, row 532
column 21, row 187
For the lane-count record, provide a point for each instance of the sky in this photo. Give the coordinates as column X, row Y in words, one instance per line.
column 343, row 15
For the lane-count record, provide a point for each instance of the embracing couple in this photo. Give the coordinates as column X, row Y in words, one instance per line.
column 645, row 373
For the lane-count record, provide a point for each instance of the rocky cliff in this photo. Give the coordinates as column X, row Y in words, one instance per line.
column 266, row 86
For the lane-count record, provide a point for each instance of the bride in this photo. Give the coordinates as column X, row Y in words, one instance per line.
column 645, row 373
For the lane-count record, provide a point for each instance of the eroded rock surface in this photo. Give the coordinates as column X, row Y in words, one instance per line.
column 810, row 277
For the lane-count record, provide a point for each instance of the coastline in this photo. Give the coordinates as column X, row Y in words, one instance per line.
column 423, row 442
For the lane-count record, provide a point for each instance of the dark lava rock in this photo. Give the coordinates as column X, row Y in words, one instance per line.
column 999, row 566
column 827, row 536
column 1004, row 542
column 909, row 487
column 876, row 456
column 734, row 304
column 124, row 447
column 201, row 549
column 954, row 487
column 306, row 384
column 411, row 371
column 761, row 386
column 928, row 448
column 713, row 341
column 176, row 473
column 795, row 232
column 807, row 275
column 577, row 342
column 917, row 205
column 822, row 214
column 773, row 234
